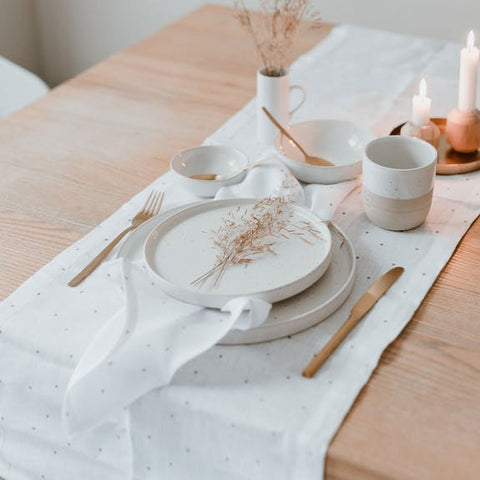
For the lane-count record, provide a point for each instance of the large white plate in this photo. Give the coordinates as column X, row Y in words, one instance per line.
column 181, row 249
column 290, row 316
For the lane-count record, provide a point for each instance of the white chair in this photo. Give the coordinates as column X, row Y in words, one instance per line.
column 18, row 87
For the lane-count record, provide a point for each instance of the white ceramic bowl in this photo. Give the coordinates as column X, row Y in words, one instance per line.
column 338, row 141
column 219, row 159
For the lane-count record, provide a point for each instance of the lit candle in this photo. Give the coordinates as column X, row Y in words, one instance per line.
column 467, row 91
column 421, row 105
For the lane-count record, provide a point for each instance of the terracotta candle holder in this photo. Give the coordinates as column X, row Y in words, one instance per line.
column 430, row 132
column 463, row 130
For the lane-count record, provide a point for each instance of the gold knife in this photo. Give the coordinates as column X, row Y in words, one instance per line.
column 359, row 310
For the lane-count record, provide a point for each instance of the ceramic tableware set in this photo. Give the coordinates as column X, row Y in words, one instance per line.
column 305, row 283
column 307, row 270
column 398, row 170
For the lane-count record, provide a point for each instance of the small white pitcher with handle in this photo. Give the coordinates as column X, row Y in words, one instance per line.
column 274, row 94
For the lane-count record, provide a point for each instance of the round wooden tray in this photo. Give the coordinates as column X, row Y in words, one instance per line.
column 449, row 161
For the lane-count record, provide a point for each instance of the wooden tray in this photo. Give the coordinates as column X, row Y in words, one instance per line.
column 449, row 161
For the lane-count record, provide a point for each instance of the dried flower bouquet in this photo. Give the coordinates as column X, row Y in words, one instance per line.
column 274, row 28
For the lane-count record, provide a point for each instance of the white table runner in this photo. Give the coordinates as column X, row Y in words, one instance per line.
column 237, row 412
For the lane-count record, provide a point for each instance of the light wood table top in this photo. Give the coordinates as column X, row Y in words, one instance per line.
column 71, row 159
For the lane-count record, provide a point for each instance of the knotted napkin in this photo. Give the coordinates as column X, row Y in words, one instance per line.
column 152, row 335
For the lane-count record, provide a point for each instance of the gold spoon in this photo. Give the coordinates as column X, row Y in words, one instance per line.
column 217, row 176
column 317, row 161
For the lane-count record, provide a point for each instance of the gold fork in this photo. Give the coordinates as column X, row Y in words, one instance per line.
column 150, row 209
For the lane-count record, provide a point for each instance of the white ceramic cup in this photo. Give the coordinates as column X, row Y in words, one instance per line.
column 273, row 93
column 398, row 178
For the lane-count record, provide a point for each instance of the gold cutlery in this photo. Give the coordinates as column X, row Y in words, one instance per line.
column 317, row 161
column 359, row 310
column 217, row 176
column 150, row 209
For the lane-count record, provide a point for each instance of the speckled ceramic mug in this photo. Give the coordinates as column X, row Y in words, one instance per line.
column 398, row 178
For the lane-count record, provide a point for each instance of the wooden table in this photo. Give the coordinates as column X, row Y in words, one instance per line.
column 71, row 159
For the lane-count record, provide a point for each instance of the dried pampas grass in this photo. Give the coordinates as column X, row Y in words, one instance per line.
column 246, row 234
column 274, row 28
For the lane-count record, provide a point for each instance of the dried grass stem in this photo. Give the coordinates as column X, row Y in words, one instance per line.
column 246, row 234
column 274, row 28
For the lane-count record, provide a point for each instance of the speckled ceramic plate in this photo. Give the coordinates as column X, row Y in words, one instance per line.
column 181, row 249
column 290, row 316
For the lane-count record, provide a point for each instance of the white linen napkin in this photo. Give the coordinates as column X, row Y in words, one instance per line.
column 142, row 346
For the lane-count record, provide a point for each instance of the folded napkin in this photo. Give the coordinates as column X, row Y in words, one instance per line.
column 142, row 346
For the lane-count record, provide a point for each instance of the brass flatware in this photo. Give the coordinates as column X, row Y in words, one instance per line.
column 317, row 161
column 150, row 209
column 217, row 176
column 359, row 310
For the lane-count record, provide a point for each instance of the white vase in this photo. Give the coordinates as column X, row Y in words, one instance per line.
column 273, row 93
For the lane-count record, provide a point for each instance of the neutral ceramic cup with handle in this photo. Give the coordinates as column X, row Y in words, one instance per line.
column 273, row 93
column 398, row 178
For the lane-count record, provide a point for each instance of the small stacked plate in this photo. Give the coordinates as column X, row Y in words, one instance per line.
column 306, row 269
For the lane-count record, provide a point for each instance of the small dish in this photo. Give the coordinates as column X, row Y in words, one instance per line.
column 340, row 142
column 219, row 159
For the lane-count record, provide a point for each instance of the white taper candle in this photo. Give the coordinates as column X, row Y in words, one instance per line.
column 421, row 105
column 467, row 89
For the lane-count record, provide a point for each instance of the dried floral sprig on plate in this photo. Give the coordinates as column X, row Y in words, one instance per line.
column 245, row 234
column 274, row 28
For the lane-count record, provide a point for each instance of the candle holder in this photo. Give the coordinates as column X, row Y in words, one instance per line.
column 463, row 130
column 449, row 161
column 430, row 132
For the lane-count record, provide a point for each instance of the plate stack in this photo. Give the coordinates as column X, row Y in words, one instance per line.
column 302, row 265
